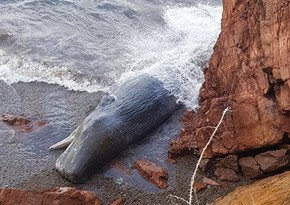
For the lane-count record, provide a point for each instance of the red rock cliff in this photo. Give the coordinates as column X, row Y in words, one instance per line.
column 250, row 72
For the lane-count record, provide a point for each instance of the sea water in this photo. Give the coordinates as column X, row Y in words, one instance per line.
column 93, row 45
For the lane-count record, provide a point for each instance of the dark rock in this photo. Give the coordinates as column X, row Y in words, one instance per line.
column 225, row 174
column 272, row 160
column 154, row 173
column 250, row 167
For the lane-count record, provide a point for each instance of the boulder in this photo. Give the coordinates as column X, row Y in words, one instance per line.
column 152, row 172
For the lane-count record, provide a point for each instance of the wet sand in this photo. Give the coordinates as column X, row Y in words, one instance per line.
column 26, row 162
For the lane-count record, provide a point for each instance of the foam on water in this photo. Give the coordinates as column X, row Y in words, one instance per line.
column 15, row 69
column 178, row 54
column 174, row 53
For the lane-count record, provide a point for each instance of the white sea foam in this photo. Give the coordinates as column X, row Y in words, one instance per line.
column 177, row 54
column 15, row 69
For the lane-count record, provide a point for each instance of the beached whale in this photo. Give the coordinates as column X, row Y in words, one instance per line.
column 134, row 109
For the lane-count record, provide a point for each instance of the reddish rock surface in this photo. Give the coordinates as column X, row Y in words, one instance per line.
column 59, row 196
column 225, row 174
column 209, row 181
column 250, row 167
column 272, row 160
column 249, row 72
column 199, row 186
column 154, row 173
column 20, row 123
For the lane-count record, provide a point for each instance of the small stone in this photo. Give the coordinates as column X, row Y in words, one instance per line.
column 199, row 186
column 209, row 181
column 154, row 173
column 225, row 174
column 250, row 167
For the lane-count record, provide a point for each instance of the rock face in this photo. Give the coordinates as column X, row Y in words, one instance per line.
column 60, row 196
column 273, row 190
column 249, row 71
column 154, row 173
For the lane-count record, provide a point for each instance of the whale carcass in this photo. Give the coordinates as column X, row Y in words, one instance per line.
column 135, row 108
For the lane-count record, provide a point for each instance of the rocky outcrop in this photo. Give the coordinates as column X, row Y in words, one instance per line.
column 273, row 190
column 249, row 72
column 152, row 172
column 60, row 196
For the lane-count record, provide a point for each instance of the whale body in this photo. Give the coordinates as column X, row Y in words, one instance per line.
column 134, row 109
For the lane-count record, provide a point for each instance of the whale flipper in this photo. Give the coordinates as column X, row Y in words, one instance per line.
column 65, row 142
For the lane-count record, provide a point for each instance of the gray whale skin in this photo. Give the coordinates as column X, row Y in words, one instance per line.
column 134, row 109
